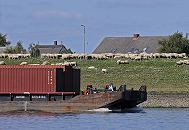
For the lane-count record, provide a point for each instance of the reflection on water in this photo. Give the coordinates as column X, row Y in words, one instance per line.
column 148, row 119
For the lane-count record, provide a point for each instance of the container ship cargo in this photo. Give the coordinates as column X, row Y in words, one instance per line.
column 56, row 89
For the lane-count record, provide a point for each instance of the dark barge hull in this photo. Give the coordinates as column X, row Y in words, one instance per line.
column 80, row 103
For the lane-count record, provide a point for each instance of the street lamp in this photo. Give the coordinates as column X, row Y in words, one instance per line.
column 83, row 37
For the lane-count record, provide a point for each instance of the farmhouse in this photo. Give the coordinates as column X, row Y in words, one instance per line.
column 135, row 44
column 51, row 49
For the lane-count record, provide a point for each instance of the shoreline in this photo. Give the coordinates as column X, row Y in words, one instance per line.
column 166, row 100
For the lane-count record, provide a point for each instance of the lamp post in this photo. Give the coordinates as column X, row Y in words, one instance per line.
column 84, row 38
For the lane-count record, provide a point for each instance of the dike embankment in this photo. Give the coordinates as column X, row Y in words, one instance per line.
column 166, row 100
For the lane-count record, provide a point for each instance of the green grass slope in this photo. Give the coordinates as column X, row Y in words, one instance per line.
column 162, row 75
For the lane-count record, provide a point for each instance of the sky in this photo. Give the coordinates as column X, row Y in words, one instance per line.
column 44, row 21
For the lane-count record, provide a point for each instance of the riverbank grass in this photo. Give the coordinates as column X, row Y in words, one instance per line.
column 161, row 75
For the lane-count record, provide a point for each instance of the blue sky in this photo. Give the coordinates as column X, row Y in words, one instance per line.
column 49, row 20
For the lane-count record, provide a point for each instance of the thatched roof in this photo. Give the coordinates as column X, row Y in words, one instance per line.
column 136, row 44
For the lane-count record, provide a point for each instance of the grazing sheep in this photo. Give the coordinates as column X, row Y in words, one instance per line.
column 81, row 56
column 187, row 62
column 122, row 62
column 70, row 63
column 182, row 55
column 117, row 56
column 179, row 62
column 104, row 70
column 2, row 63
column 138, row 58
column 73, row 63
column 59, row 64
column 3, row 55
column 156, row 55
column 45, row 63
column 110, row 55
column 15, row 56
column 24, row 63
column 66, row 56
column 91, row 67
column 126, row 56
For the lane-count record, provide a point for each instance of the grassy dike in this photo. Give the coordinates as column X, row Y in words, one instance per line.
column 159, row 75
column 167, row 83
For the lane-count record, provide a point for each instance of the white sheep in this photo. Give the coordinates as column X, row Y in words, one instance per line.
column 2, row 63
column 91, row 67
column 70, row 63
column 179, row 62
column 24, row 63
column 104, row 70
column 59, row 64
column 45, row 63
column 122, row 62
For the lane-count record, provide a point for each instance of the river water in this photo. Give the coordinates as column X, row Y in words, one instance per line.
column 148, row 119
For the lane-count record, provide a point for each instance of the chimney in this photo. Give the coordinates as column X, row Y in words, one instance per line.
column 136, row 35
column 55, row 42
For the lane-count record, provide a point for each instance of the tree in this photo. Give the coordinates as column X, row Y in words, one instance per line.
column 10, row 50
column 15, row 49
column 34, row 51
column 176, row 43
column 19, row 48
column 3, row 40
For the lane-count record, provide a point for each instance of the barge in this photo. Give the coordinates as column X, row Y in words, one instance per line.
column 56, row 89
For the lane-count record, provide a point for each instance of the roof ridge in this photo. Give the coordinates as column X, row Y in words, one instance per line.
column 132, row 36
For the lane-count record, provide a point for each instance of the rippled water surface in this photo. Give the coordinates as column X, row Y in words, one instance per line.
column 148, row 119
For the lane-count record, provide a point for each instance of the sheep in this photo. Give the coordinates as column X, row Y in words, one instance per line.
column 89, row 57
column 81, row 56
column 179, row 62
column 138, row 58
column 122, row 62
column 110, row 55
column 126, row 56
column 182, row 55
column 91, row 67
column 132, row 57
column 117, row 56
column 45, row 63
column 59, row 64
column 2, row 63
column 66, row 56
column 99, row 56
column 3, row 55
column 104, row 70
column 27, row 55
column 43, row 55
column 70, row 63
column 186, row 62
column 23, row 63
column 74, row 56
column 73, row 63
column 156, row 55
column 13, row 56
